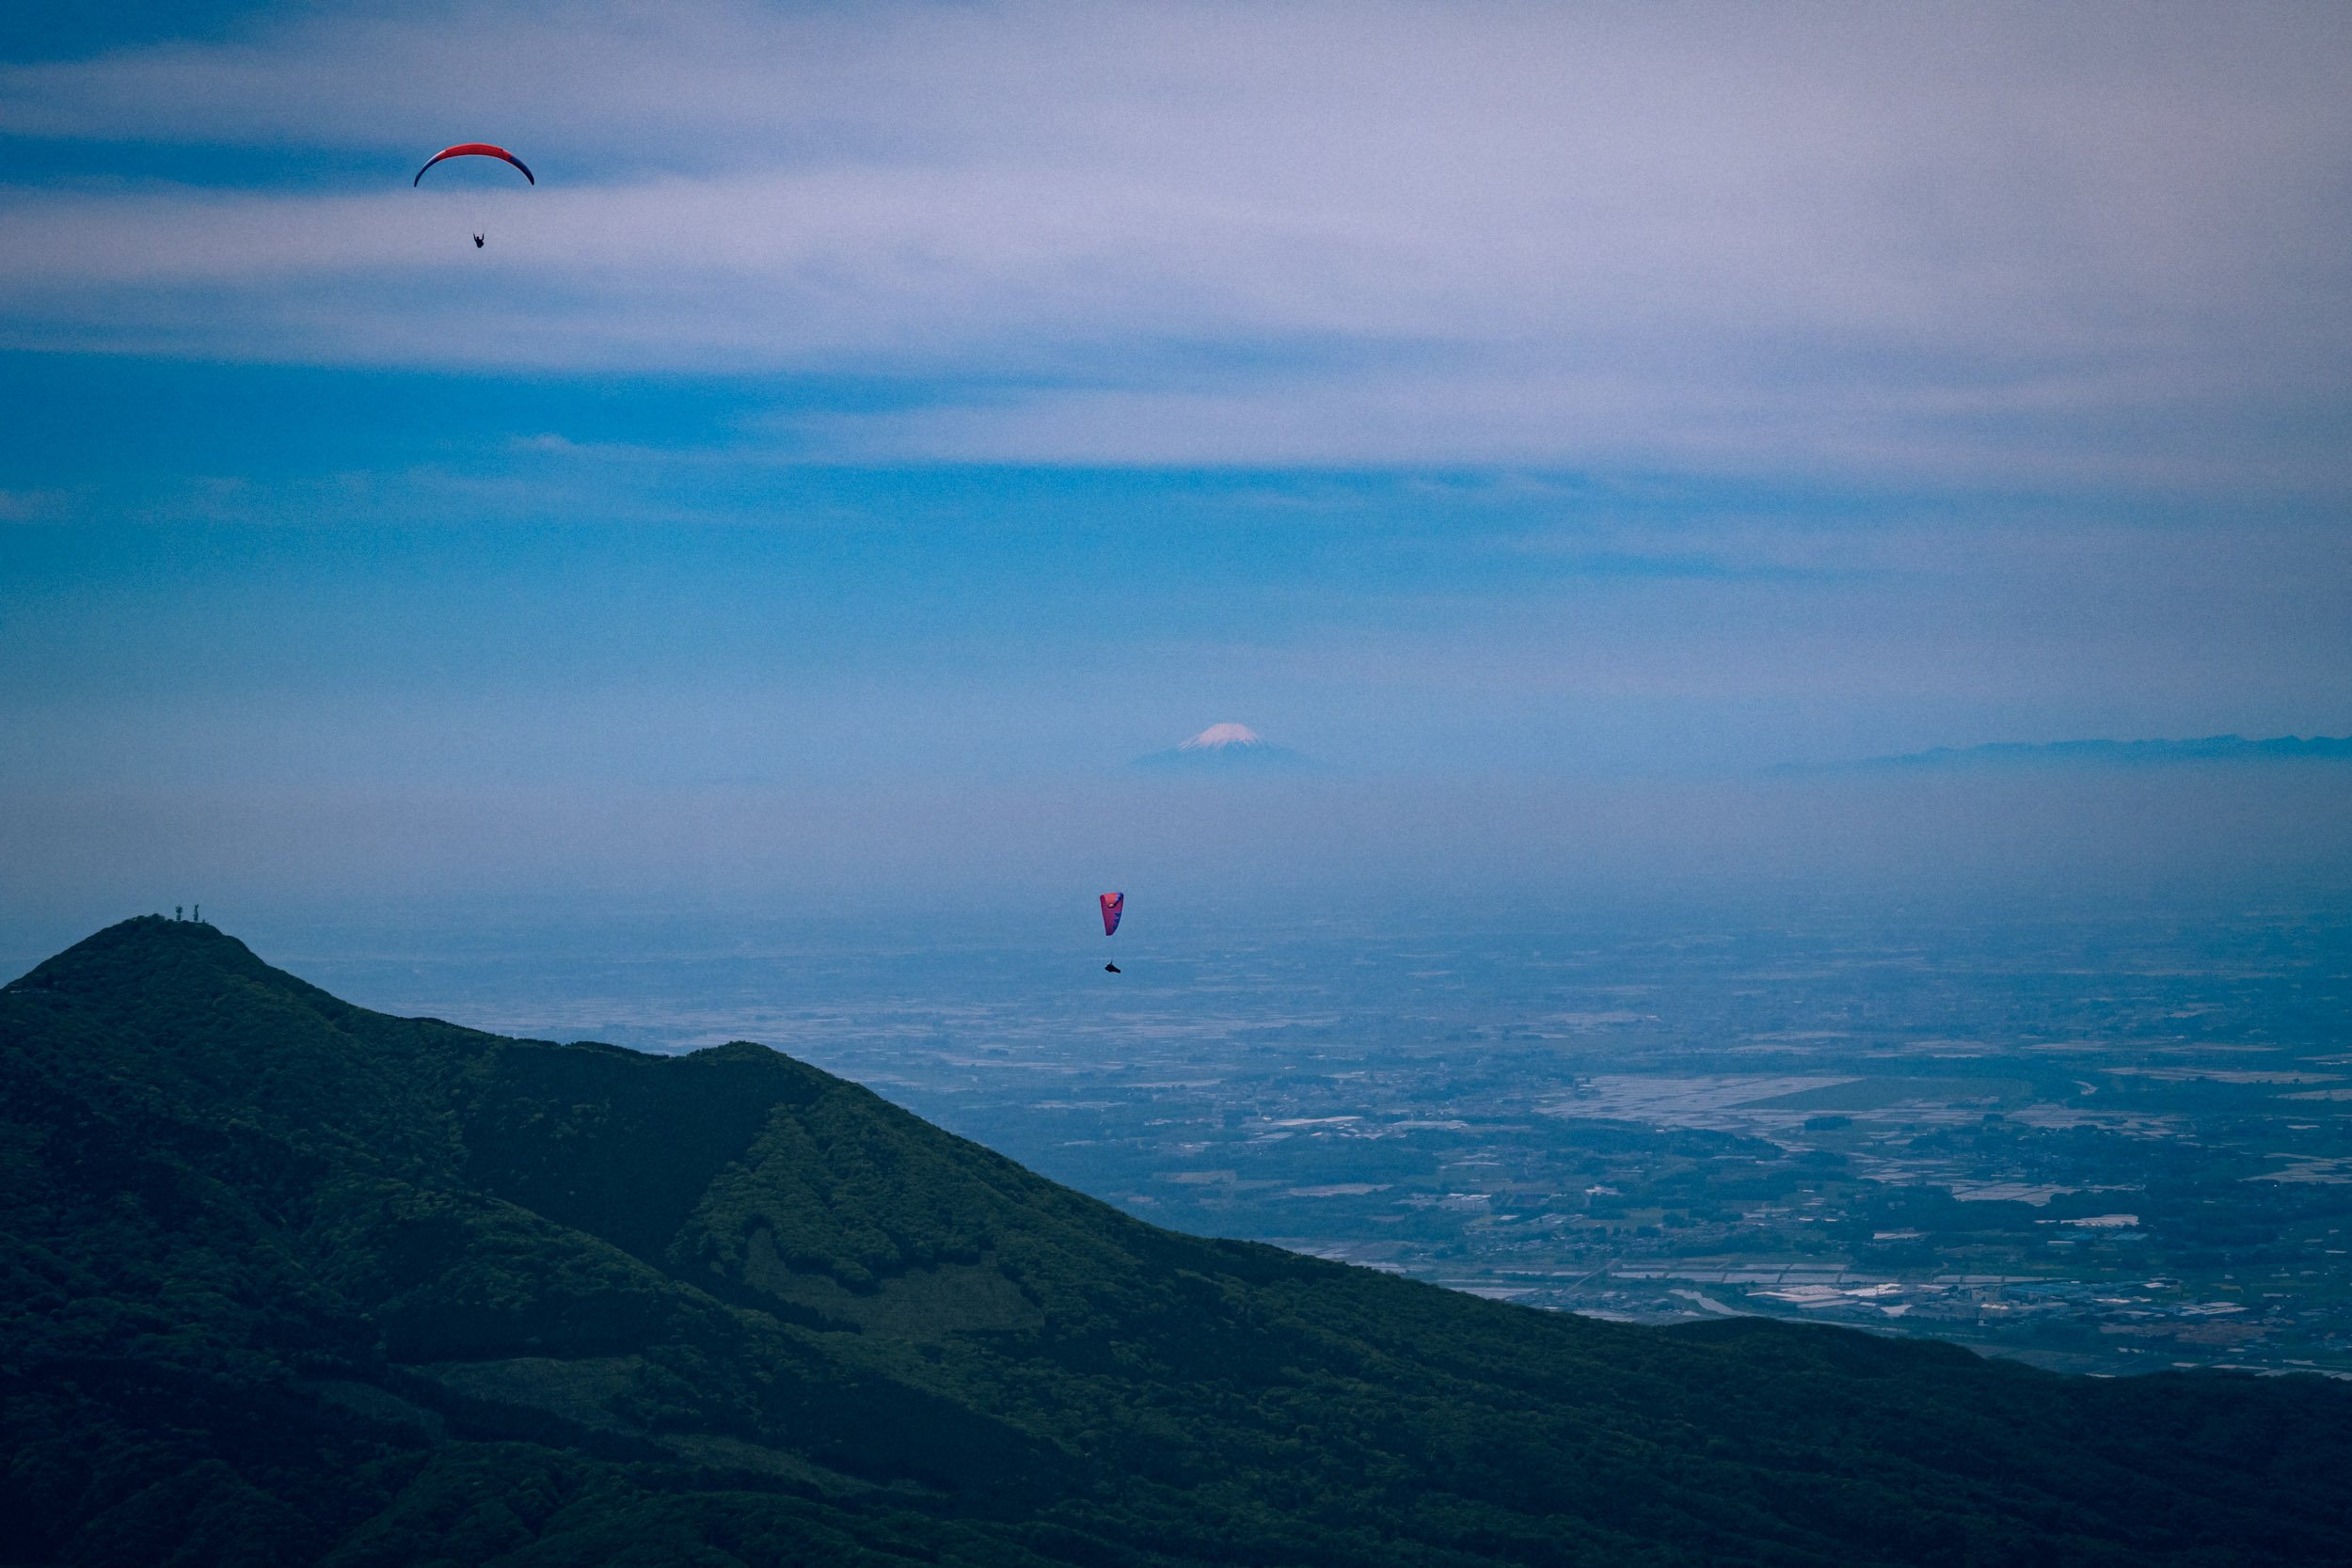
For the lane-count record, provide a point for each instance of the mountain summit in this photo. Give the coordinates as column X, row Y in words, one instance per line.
column 290, row 1282
column 1226, row 748
column 1220, row 738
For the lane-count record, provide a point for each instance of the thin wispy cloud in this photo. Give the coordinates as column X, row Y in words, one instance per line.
column 1992, row 244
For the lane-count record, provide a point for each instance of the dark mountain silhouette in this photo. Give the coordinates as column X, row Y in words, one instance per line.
column 292, row 1282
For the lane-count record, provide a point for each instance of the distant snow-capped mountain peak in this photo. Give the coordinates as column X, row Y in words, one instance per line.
column 1218, row 736
column 1226, row 748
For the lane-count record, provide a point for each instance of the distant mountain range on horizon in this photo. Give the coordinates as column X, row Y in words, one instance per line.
column 2102, row 753
column 1228, row 749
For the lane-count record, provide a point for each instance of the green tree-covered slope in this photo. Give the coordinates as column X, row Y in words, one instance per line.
column 287, row 1281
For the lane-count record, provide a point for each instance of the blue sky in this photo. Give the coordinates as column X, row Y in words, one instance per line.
column 892, row 404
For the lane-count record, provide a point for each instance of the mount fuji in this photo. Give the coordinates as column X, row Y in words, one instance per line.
column 1226, row 749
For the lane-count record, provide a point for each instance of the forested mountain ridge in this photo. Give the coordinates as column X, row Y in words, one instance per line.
column 288, row 1281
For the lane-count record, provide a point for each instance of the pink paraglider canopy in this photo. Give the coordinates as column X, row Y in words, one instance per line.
column 475, row 150
column 1114, row 905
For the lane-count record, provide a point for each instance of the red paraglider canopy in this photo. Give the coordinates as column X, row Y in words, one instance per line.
column 475, row 150
column 1114, row 905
